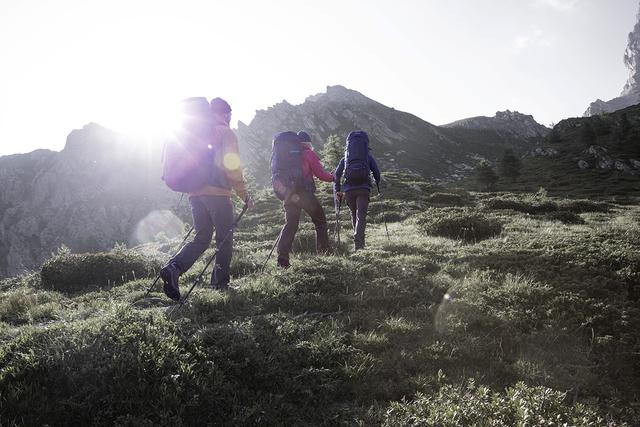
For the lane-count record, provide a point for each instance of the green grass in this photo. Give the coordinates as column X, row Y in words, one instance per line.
column 536, row 324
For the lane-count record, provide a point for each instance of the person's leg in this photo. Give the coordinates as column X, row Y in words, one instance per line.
column 314, row 209
column 185, row 258
column 203, row 226
column 362, row 205
column 221, row 210
column 291, row 221
column 351, row 199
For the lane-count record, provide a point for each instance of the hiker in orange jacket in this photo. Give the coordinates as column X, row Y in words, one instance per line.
column 211, row 207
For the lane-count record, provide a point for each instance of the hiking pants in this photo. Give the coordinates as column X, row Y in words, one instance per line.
column 358, row 202
column 209, row 212
column 292, row 209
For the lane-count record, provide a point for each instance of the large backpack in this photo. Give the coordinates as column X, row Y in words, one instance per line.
column 189, row 158
column 286, row 165
column 356, row 158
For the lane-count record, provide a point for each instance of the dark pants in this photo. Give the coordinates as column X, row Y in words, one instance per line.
column 358, row 202
column 292, row 209
column 209, row 212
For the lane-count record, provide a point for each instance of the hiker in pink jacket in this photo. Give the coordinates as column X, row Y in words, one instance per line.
column 306, row 200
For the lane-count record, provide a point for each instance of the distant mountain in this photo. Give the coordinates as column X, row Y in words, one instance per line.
column 511, row 124
column 631, row 92
column 92, row 194
column 399, row 140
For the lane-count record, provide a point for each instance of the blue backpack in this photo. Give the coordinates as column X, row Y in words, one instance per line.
column 286, row 166
column 356, row 158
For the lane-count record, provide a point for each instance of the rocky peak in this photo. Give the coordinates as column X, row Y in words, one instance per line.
column 513, row 122
column 341, row 94
column 631, row 92
column 92, row 137
column 632, row 60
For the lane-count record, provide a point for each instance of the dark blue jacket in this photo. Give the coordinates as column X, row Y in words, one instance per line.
column 373, row 166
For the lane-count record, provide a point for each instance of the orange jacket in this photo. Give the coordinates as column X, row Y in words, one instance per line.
column 227, row 158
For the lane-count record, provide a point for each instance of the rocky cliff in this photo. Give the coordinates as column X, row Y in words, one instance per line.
column 92, row 194
column 631, row 92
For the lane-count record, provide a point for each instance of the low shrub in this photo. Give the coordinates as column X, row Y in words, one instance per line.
column 21, row 307
column 448, row 199
column 245, row 262
column 532, row 207
column 566, row 217
column 67, row 272
column 304, row 242
column 477, row 405
column 459, row 224
column 582, row 206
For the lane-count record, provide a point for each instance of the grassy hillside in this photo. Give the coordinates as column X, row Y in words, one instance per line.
column 485, row 309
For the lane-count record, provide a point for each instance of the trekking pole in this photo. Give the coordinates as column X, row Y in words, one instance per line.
column 337, row 205
column 153, row 285
column 226, row 237
column 272, row 249
column 384, row 215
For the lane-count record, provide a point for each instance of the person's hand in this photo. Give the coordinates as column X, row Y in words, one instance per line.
column 339, row 195
column 249, row 202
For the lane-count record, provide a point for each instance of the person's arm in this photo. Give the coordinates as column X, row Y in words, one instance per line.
column 316, row 167
column 374, row 168
column 231, row 164
column 338, row 174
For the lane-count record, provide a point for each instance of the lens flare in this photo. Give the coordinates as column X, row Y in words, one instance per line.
column 156, row 226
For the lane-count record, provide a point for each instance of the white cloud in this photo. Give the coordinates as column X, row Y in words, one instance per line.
column 534, row 38
column 562, row 5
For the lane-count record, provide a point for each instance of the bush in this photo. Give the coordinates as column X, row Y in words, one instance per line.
column 473, row 405
column 532, row 207
column 446, row 199
column 582, row 206
column 244, row 262
column 459, row 224
column 22, row 307
column 565, row 217
column 67, row 272
column 138, row 368
column 304, row 242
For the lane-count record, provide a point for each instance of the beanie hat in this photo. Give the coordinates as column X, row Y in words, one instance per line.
column 220, row 106
column 304, row 137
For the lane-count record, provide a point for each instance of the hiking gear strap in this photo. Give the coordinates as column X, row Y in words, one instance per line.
column 384, row 216
column 226, row 237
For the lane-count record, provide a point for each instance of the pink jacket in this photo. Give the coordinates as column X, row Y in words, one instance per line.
column 311, row 166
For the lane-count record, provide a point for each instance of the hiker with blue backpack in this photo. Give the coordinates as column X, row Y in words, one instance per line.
column 203, row 161
column 357, row 165
column 293, row 167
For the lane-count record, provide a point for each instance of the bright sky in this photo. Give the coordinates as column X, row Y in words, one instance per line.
column 125, row 63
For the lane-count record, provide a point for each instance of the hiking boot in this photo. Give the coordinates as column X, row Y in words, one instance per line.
column 283, row 263
column 170, row 275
